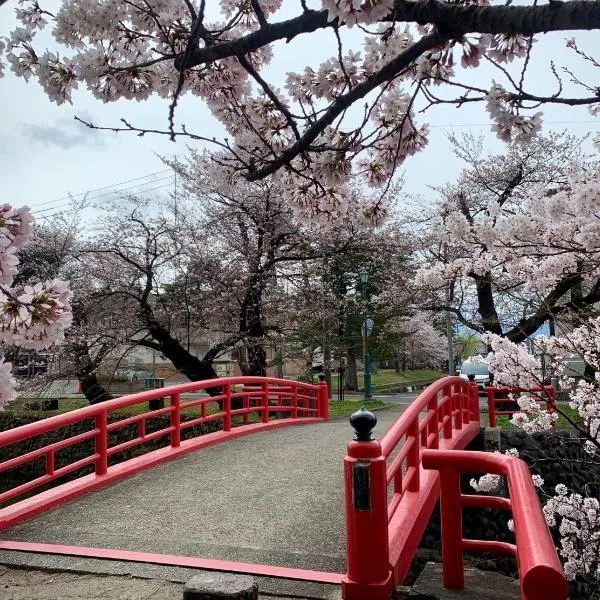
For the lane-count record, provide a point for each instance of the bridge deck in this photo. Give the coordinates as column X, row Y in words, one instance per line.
column 274, row 497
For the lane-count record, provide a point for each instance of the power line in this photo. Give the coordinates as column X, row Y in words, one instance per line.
column 102, row 188
column 58, row 212
column 111, row 193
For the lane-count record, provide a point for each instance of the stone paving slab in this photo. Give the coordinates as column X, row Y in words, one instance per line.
column 274, row 497
column 36, row 584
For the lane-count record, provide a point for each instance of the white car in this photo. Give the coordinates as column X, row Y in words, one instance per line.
column 480, row 370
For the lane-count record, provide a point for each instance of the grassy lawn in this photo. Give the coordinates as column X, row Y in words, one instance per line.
column 347, row 407
column 389, row 377
column 504, row 420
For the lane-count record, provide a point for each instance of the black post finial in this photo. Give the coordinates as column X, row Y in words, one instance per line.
column 363, row 422
column 321, row 376
column 471, row 377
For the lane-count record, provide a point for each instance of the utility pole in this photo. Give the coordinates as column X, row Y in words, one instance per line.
column 366, row 330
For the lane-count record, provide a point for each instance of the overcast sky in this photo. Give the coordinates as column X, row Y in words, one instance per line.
column 45, row 155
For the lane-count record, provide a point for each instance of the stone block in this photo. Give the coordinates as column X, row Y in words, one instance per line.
column 220, row 586
column 479, row 585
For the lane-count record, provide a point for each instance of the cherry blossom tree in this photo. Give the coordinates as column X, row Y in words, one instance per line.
column 350, row 121
column 415, row 343
column 34, row 314
column 512, row 243
column 573, row 513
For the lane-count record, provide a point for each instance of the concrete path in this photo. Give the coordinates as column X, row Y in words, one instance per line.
column 274, row 497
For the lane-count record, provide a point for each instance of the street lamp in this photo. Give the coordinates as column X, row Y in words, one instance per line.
column 363, row 275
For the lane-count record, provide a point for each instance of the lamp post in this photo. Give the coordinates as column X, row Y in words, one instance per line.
column 366, row 329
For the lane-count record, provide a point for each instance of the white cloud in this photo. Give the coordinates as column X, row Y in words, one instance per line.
column 64, row 133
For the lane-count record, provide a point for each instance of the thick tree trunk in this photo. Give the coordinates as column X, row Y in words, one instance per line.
column 486, row 305
column 184, row 361
column 256, row 359
column 351, row 369
column 92, row 390
column 85, row 365
column 251, row 323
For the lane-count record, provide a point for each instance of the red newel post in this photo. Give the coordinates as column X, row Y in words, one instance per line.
column 323, row 397
column 369, row 575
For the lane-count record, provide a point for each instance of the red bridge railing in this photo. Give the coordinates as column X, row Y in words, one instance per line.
column 389, row 495
column 499, row 396
column 265, row 397
column 391, row 491
column 540, row 573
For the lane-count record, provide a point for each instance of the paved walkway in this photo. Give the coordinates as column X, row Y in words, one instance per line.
column 274, row 497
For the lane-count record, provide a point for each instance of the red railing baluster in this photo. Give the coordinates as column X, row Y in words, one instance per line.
column 176, row 420
column 265, row 399
column 451, row 526
column 474, row 395
column 490, row 391
column 50, row 463
column 294, row 413
column 101, row 443
column 246, row 407
column 447, row 392
column 414, row 455
column 227, row 408
column 465, row 393
column 433, row 427
column 457, row 405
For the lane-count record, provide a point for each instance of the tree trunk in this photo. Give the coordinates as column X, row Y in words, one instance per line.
column 278, row 364
column 251, row 323
column 92, row 390
column 256, row 361
column 351, row 369
column 486, row 306
column 184, row 361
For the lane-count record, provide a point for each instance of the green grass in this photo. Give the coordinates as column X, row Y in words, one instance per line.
column 389, row 377
column 347, row 407
column 504, row 420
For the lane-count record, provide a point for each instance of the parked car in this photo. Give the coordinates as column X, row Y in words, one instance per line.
column 480, row 370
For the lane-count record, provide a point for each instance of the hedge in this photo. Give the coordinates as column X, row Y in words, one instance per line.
column 75, row 452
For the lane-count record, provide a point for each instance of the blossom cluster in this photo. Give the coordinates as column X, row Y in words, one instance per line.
column 37, row 318
column 538, row 241
column 127, row 50
column 578, row 521
column 31, row 316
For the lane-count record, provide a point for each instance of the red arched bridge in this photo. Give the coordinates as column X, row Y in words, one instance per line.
column 389, row 485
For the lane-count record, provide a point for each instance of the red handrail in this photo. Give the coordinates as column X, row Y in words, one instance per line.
column 540, row 572
column 492, row 393
column 302, row 402
column 383, row 531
